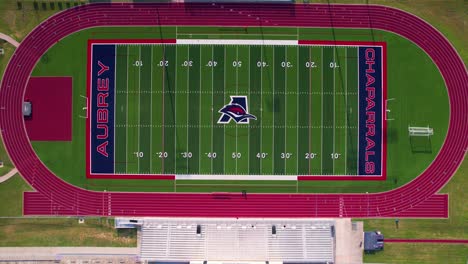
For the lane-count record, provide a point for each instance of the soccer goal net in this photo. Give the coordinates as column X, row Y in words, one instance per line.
column 420, row 131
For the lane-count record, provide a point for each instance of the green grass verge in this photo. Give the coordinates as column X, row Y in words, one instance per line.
column 11, row 192
column 63, row 232
column 418, row 253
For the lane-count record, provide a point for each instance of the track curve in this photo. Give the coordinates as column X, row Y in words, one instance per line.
column 56, row 197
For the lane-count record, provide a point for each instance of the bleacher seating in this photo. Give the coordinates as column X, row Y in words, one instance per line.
column 237, row 240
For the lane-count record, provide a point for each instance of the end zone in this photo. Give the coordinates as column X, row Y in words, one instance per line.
column 100, row 126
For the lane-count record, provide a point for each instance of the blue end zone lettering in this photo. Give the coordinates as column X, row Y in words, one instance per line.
column 370, row 111
column 102, row 109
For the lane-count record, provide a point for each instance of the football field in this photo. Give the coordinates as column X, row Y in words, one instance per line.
column 293, row 109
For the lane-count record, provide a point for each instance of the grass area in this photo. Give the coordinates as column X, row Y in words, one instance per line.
column 449, row 17
column 7, row 165
column 18, row 23
column 60, row 232
column 413, row 106
column 420, row 253
column 456, row 226
column 11, row 191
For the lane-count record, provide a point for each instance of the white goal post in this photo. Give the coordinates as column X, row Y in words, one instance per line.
column 420, row 131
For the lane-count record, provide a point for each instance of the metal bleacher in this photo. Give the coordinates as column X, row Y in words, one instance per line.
column 237, row 240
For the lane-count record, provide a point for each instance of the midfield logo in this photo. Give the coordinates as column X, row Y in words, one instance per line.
column 236, row 110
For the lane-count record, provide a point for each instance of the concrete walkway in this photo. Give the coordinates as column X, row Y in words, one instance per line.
column 51, row 253
column 9, row 40
column 8, row 175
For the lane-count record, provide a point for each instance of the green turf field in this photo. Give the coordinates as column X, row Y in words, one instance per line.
column 168, row 97
column 407, row 65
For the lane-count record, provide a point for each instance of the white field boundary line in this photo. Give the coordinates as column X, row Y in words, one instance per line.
column 247, row 42
column 236, row 42
column 115, row 97
column 240, row 177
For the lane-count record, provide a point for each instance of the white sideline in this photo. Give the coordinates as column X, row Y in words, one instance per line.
column 236, row 177
column 238, row 42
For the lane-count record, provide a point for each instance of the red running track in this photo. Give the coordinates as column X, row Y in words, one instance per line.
column 446, row 241
column 56, row 197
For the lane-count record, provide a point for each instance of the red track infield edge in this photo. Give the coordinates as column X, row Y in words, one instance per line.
column 53, row 196
column 438, row 241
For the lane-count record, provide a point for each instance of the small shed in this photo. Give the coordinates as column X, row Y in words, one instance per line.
column 373, row 241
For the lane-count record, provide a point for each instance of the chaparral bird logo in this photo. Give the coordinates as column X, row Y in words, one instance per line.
column 236, row 110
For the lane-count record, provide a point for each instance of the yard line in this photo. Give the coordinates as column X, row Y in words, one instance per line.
column 151, row 113
column 199, row 112
column 297, row 104
column 212, row 104
column 334, row 107
column 248, row 134
column 346, row 110
column 163, row 160
column 273, row 143
column 175, row 110
column 321, row 118
column 126, row 119
column 310, row 109
column 261, row 107
column 285, row 105
column 224, row 127
column 139, row 103
column 188, row 104
column 237, row 92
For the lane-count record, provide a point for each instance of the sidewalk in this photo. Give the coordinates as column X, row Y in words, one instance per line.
column 9, row 40
column 8, row 175
column 50, row 253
